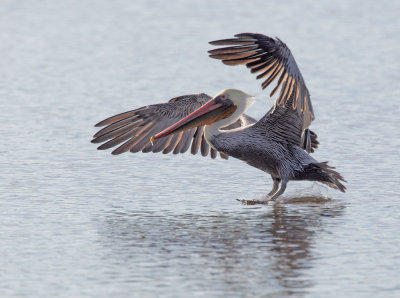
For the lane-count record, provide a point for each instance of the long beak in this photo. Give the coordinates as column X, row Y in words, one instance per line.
column 206, row 114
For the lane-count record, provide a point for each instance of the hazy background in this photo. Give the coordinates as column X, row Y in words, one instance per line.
column 80, row 222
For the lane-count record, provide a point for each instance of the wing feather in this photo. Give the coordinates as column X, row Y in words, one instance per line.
column 232, row 50
column 268, row 70
column 204, row 147
column 197, row 140
column 116, row 118
column 117, row 125
column 239, row 55
column 277, row 71
column 274, row 59
column 160, row 144
column 171, row 146
column 117, row 132
column 262, row 66
column 232, row 41
column 143, row 139
column 213, row 153
column 127, row 145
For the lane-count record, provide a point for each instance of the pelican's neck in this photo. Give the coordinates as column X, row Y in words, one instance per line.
column 210, row 131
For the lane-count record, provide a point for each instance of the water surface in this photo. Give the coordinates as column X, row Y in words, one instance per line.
column 80, row 222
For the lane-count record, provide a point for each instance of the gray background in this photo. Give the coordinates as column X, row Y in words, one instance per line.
column 80, row 222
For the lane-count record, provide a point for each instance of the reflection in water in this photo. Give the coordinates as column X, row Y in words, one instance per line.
column 260, row 250
column 292, row 238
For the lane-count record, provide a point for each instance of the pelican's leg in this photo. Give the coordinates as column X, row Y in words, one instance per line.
column 275, row 186
column 280, row 191
column 274, row 193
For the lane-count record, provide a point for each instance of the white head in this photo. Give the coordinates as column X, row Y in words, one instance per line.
column 238, row 97
column 241, row 100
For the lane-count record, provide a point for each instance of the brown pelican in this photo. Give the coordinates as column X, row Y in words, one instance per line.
column 278, row 144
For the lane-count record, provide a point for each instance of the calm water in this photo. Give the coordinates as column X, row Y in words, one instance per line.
column 80, row 222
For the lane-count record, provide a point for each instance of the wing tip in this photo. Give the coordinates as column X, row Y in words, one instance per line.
column 102, row 147
column 215, row 42
column 118, row 151
column 99, row 124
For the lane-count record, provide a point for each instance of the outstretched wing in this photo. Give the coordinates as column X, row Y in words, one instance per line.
column 274, row 60
column 132, row 130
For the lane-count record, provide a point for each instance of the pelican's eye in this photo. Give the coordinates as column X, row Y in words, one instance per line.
column 224, row 97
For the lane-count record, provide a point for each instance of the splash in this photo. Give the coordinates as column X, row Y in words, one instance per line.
column 316, row 193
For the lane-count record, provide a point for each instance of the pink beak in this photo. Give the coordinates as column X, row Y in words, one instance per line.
column 211, row 105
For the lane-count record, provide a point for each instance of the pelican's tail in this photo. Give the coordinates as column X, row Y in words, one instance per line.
column 323, row 173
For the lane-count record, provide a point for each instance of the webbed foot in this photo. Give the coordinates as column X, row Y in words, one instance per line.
column 265, row 201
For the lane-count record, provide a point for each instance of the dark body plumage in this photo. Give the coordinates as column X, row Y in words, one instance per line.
column 261, row 146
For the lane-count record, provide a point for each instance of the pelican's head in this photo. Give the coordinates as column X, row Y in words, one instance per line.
column 225, row 107
column 239, row 98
